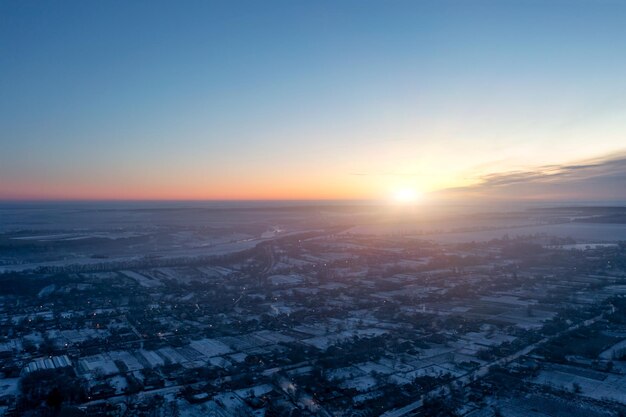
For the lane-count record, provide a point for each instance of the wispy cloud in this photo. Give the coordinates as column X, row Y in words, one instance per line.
column 595, row 179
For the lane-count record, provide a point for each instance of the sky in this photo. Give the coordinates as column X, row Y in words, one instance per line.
column 308, row 100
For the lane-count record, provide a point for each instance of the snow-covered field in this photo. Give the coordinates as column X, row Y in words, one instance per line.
column 612, row 386
column 587, row 232
column 590, row 233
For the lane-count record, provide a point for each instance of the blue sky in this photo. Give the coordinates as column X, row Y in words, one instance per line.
column 301, row 99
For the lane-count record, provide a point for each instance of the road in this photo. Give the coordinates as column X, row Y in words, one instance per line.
column 484, row 369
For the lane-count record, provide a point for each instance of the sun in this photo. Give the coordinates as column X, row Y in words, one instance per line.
column 406, row 195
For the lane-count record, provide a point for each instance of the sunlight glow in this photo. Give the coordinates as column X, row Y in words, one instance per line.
column 406, row 196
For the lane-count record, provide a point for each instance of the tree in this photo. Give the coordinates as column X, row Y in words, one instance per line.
column 55, row 399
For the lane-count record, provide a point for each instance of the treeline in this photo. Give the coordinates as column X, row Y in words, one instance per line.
column 142, row 263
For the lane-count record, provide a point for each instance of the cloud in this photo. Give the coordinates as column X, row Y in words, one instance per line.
column 601, row 179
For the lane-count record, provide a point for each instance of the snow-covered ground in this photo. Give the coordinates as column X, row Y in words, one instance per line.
column 607, row 385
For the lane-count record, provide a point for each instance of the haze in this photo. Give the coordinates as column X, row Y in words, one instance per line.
column 282, row 208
